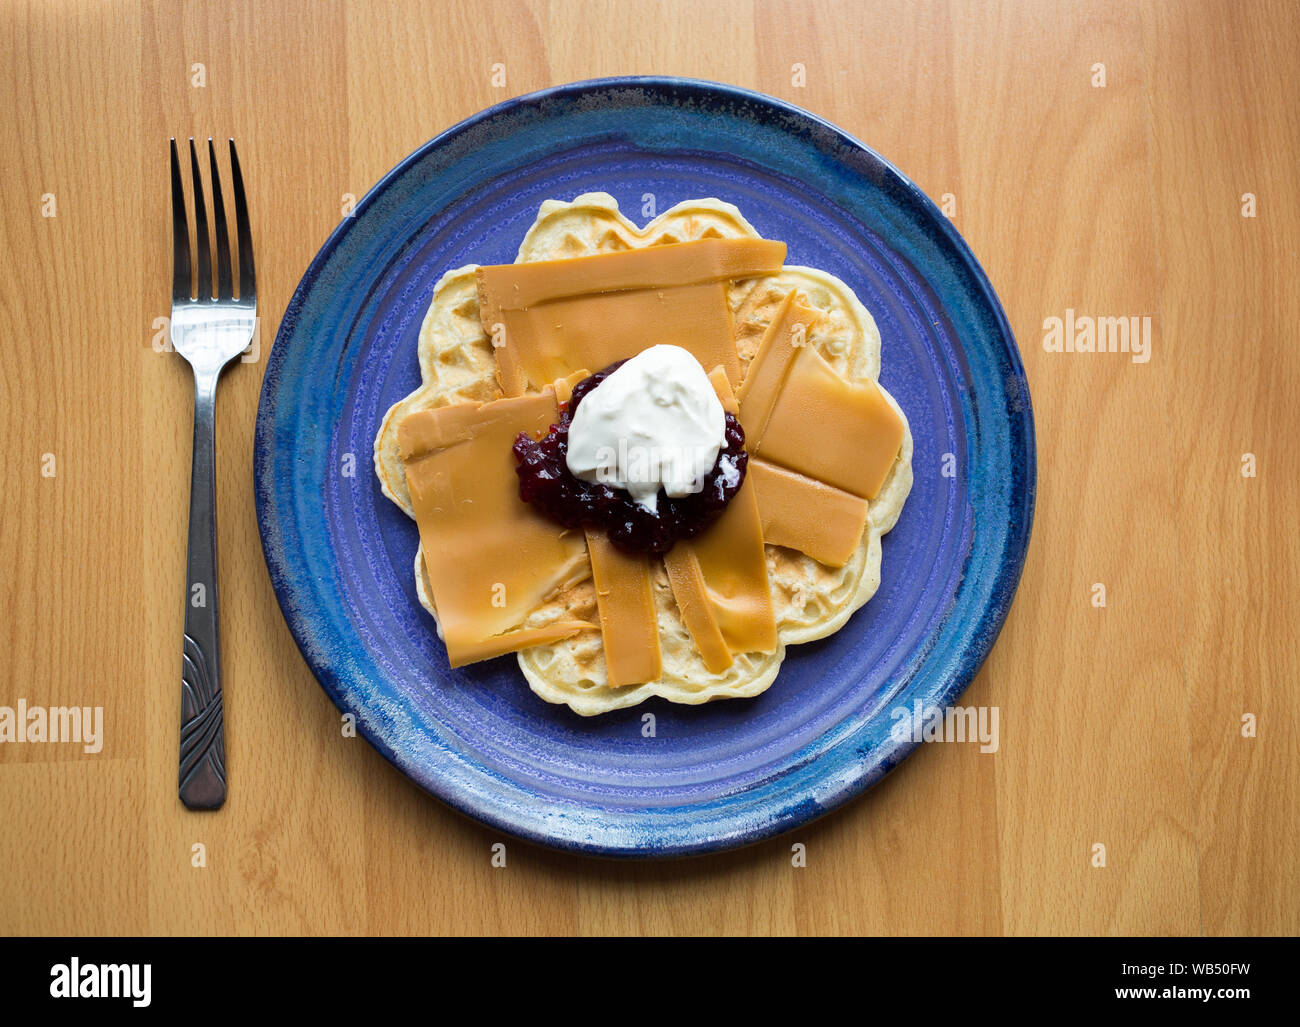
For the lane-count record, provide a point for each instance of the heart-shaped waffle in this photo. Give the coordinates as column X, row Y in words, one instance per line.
column 810, row 599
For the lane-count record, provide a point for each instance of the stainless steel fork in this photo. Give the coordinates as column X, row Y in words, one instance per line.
column 209, row 330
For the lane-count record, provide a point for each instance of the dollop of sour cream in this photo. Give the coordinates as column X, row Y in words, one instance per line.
column 654, row 423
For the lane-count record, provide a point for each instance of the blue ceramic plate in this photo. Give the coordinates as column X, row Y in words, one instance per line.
column 716, row 776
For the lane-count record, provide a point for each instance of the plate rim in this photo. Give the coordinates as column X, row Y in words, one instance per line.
column 971, row 660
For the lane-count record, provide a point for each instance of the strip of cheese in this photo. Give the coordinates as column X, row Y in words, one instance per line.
column 548, row 318
column 693, row 603
column 805, row 514
column 719, row 579
column 797, row 412
column 629, row 623
column 790, row 327
column 652, row 267
column 491, row 558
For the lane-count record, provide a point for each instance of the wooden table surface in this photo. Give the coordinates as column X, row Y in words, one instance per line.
column 1160, row 726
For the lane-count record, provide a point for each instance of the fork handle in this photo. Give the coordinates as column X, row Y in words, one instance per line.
column 202, row 783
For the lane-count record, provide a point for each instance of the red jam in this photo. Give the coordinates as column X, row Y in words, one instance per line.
column 546, row 482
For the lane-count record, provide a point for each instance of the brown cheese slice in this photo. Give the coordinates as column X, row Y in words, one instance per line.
column 651, row 267
column 805, row 514
column 798, row 413
column 548, row 318
column 491, row 558
column 629, row 623
column 719, row 579
column 692, row 595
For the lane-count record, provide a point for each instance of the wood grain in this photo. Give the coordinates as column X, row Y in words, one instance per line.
column 1120, row 726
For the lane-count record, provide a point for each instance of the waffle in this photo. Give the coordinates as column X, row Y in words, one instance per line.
column 810, row 599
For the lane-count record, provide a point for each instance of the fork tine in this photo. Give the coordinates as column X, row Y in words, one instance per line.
column 180, row 235
column 225, row 290
column 203, row 258
column 247, row 277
